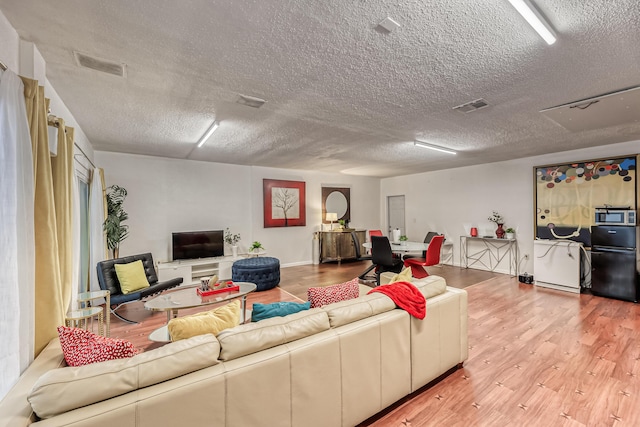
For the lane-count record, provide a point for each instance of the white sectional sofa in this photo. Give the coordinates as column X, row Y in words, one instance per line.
column 331, row 366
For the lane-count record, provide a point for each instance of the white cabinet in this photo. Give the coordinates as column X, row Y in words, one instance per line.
column 193, row 269
column 556, row 264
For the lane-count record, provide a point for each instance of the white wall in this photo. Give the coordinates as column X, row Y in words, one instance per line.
column 453, row 200
column 168, row 195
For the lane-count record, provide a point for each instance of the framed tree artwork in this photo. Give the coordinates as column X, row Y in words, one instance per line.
column 284, row 203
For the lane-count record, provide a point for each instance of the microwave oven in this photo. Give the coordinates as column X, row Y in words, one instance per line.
column 615, row 216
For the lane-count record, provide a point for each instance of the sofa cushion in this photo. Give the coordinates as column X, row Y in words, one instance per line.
column 430, row 286
column 206, row 322
column 326, row 295
column 131, row 277
column 88, row 384
column 81, row 347
column 277, row 309
column 253, row 337
column 344, row 312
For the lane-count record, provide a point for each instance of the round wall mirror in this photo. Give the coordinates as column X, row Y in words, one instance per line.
column 338, row 200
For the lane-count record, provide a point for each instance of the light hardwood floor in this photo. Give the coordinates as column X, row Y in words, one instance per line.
column 537, row 357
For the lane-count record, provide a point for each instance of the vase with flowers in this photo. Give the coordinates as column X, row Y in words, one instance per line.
column 497, row 218
column 232, row 239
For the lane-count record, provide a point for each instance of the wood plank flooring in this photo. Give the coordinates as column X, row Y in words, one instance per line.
column 537, row 357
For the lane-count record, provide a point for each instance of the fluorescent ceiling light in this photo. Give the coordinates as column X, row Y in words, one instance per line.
column 433, row 147
column 533, row 17
column 208, row 133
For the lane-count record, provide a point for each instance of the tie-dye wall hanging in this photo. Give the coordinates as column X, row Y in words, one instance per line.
column 567, row 195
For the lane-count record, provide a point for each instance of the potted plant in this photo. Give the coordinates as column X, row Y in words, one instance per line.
column 404, row 238
column 342, row 223
column 256, row 248
column 232, row 239
column 510, row 233
column 113, row 225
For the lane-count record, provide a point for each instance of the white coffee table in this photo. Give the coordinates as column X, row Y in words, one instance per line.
column 171, row 302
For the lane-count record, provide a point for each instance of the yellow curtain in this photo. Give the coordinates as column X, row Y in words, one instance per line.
column 62, row 172
column 49, row 307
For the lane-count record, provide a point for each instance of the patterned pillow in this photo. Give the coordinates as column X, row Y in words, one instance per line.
column 81, row 347
column 277, row 309
column 335, row 293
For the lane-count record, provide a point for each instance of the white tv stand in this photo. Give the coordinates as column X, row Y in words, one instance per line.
column 191, row 270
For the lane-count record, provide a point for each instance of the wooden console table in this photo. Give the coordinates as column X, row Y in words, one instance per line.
column 338, row 245
column 489, row 252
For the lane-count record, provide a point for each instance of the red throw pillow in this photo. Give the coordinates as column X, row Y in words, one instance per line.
column 334, row 293
column 81, row 347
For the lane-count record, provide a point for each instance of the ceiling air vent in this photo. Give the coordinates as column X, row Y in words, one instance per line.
column 98, row 64
column 471, row 106
column 250, row 101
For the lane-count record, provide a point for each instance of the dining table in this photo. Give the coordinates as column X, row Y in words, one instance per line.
column 403, row 247
column 400, row 248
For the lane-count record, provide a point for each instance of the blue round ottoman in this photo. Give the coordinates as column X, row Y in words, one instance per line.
column 263, row 271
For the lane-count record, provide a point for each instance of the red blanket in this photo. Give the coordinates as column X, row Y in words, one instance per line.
column 406, row 296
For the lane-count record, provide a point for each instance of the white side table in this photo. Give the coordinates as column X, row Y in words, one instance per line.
column 82, row 318
column 90, row 296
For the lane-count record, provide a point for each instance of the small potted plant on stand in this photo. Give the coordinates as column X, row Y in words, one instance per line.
column 256, row 248
column 510, row 233
column 232, row 239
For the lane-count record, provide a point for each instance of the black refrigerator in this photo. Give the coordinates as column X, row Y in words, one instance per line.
column 615, row 262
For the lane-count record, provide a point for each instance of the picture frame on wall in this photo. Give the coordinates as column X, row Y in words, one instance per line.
column 567, row 194
column 284, row 203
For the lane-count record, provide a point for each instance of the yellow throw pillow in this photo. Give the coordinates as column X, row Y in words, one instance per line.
column 207, row 322
column 403, row 276
column 131, row 277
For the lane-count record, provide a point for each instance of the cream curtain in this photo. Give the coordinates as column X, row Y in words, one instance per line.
column 16, row 233
column 62, row 173
column 50, row 303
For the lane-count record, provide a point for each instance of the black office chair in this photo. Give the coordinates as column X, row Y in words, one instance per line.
column 358, row 247
column 382, row 257
column 360, row 257
column 427, row 239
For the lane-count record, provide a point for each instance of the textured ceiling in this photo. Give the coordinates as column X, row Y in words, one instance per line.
column 342, row 95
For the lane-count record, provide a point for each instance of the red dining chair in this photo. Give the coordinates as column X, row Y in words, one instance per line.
column 432, row 257
column 374, row 233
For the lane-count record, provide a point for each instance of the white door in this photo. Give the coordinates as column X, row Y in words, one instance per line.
column 395, row 210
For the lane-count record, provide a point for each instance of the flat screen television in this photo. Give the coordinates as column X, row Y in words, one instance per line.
column 197, row 244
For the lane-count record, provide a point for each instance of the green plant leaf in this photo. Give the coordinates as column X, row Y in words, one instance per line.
column 113, row 225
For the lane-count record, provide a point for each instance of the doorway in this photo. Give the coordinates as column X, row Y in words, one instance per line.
column 395, row 212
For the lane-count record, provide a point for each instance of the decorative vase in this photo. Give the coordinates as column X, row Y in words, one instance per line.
column 500, row 231
column 116, row 253
column 474, row 232
column 234, row 251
